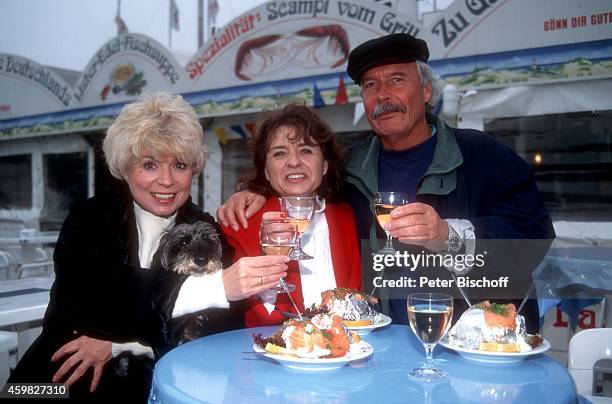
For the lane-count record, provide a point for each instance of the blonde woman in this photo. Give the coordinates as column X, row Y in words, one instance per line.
column 106, row 304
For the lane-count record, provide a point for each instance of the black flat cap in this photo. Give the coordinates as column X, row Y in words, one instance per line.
column 386, row 50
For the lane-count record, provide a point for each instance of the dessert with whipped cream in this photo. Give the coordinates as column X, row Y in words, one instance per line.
column 492, row 327
column 323, row 336
column 355, row 308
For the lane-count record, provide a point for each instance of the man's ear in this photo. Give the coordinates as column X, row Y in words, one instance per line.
column 325, row 167
column 427, row 92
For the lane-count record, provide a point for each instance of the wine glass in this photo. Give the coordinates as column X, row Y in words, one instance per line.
column 430, row 316
column 299, row 210
column 384, row 203
column 278, row 238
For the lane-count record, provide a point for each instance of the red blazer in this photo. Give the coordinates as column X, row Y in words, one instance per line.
column 344, row 250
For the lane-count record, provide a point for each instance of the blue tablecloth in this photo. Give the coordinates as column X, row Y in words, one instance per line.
column 222, row 369
column 573, row 278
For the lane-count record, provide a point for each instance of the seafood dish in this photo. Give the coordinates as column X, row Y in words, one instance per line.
column 323, row 336
column 492, row 327
column 353, row 307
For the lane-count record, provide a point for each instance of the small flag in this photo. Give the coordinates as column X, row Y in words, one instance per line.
column 317, row 99
column 221, row 135
column 251, row 128
column 239, row 130
column 174, row 16
column 213, row 10
column 121, row 26
column 341, row 95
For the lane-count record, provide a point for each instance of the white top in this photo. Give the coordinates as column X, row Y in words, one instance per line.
column 151, row 228
column 317, row 274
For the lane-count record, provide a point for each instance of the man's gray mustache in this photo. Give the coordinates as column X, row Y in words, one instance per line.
column 386, row 107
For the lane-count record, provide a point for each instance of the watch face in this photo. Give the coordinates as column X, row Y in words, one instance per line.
column 453, row 244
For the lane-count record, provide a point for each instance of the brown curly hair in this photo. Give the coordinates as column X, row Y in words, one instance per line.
column 314, row 132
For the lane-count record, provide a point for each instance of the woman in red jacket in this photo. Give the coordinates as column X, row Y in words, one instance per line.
column 295, row 154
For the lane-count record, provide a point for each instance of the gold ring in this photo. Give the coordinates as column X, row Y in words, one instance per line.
column 260, row 281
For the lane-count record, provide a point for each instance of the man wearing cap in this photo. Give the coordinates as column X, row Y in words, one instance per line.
column 464, row 184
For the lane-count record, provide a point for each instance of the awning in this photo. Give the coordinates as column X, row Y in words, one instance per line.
column 214, row 103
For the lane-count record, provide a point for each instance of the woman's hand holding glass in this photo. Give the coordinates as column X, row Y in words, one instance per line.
column 252, row 275
column 278, row 238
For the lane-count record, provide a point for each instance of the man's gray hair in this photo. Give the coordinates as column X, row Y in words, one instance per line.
column 426, row 75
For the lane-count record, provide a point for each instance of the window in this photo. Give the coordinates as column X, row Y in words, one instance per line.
column 571, row 155
column 65, row 184
column 16, row 182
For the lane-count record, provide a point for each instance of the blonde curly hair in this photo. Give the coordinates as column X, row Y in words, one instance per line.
column 161, row 123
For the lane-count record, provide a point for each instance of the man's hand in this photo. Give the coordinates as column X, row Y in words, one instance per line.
column 85, row 353
column 238, row 208
column 252, row 275
column 418, row 224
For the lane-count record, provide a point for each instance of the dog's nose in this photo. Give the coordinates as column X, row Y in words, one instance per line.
column 200, row 260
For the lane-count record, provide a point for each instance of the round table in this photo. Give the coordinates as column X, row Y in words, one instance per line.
column 223, row 368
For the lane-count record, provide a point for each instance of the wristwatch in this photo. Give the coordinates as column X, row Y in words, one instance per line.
column 453, row 243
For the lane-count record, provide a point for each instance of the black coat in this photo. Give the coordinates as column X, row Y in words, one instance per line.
column 101, row 291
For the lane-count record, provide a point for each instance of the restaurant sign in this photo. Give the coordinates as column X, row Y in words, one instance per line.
column 23, row 80
column 485, row 43
column 478, row 27
column 283, row 50
column 125, row 67
column 287, row 39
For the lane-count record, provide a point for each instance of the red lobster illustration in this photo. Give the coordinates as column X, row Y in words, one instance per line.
column 338, row 44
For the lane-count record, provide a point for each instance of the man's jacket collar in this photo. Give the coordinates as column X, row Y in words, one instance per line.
column 440, row 178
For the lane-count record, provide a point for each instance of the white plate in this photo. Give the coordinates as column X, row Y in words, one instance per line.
column 497, row 357
column 366, row 329
column 360, row 350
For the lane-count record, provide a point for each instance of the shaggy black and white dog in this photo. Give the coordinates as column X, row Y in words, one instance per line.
column 191, row 249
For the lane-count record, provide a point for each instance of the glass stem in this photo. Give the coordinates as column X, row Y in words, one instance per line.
column 429, row 356
column 292, row 302
column 389, row 244
column 298, row 243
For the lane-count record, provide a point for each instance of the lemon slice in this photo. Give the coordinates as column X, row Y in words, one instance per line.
column 275, row 349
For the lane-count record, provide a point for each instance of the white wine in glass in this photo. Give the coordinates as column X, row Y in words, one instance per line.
column 301, row 224
column 272, row 249
column 430, row 316
column 384, row 203
column 383, row 212
column 278, row 238
column 299, row 210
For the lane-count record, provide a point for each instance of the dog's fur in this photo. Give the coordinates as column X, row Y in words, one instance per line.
column 192, row 249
